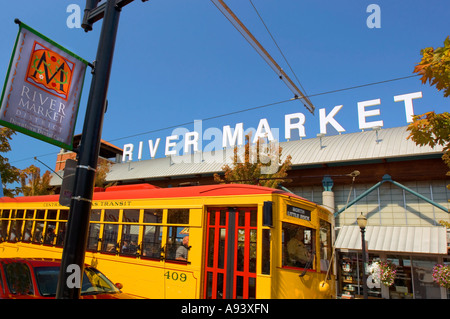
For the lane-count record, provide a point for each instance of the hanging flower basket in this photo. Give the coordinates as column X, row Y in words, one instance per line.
column 387, row 273
column 383, row 272
column 441, row 275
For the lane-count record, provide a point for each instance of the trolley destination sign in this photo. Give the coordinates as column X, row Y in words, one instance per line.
column 298, row 212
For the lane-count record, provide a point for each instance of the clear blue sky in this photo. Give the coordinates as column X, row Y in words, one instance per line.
column 177, row 61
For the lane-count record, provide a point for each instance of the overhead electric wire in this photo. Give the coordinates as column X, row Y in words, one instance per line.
column 262, row 106
column 364, row 85
column 229, row 14
column 205, row 119
column 239, row 111
column 279, row 49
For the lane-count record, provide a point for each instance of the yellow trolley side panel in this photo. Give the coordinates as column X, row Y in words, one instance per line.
column 153, row 278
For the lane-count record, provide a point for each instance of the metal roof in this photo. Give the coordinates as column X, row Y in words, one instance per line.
column 403, row 239
column 163, row 167
column 361, row 146
column 367, row 145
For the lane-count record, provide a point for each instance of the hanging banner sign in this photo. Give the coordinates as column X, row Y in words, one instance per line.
column 42, row 90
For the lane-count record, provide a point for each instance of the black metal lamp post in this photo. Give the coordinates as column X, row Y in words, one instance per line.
column 78, row 223
column 362, row 223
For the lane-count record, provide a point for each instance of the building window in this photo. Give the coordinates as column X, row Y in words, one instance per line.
column 350, row 276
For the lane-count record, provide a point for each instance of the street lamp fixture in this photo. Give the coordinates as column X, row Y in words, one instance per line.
column 362, row 223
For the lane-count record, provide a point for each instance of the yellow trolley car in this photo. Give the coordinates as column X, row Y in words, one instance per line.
column 216, row 241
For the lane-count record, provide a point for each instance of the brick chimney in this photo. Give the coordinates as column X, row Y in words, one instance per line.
column 107, row 151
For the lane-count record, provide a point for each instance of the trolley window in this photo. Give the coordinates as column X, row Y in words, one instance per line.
column 93, row 237
column 130, row 232
column 130, row 216
column 94, row 230
column 153, row 216
column 177, row 246
column 51, row 214
column 178, row 216
column 325, row 245
column 40, row 214
column 5, row 213
column 15, row 231
column 265, row 254
column 61, row 234
column 298, row 246
column 4, row 225
column 38, row 232
column 151, row 243
column 63, row 214
column 50, row 233
column 27, row 229
column 110, row 231
column 129, row 240
column 20, row 213
column 109, row 240
column 29, row 214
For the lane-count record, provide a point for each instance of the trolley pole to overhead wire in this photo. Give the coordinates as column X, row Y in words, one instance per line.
column 72, row 263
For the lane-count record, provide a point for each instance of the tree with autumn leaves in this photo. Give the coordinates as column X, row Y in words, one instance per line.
column 430, row 128
column 259, row 165
column 30, row 180
column 9, row 173
column 33, row 184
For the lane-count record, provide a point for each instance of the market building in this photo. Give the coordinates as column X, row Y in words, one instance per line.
column 400, row 188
